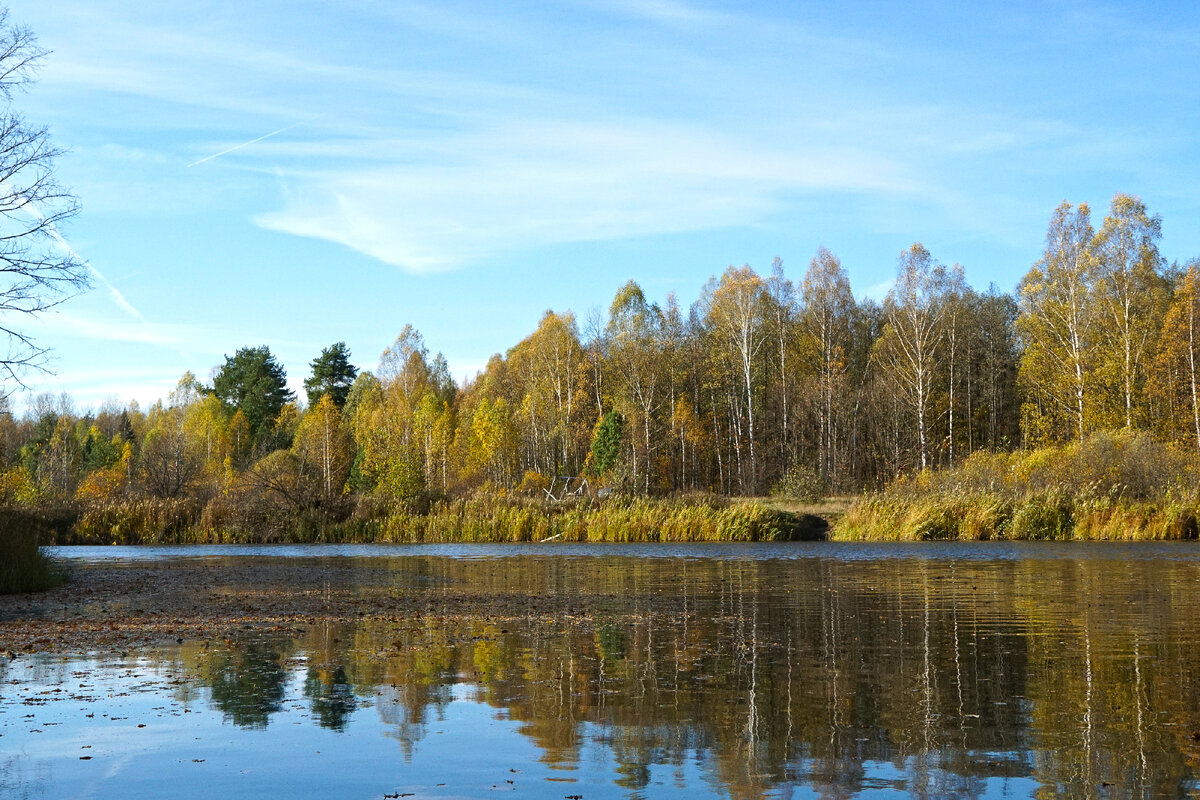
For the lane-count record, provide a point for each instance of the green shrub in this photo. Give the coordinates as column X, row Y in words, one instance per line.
column 801, row 484
column 1043, row 517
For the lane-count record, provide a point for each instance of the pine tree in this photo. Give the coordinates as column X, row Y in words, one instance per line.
column 251, row 381
column 332, row 374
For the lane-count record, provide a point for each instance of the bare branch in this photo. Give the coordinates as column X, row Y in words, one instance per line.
column 38, row 269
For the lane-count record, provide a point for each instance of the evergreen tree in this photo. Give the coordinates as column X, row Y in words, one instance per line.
column 332, row 374
column 251, row 381
column 606, row 441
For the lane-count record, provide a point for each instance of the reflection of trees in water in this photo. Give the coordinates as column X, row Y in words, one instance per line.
column 326, row 684
column 247, row 679
column 332, row 696
column 932, row 676
column 403, row 715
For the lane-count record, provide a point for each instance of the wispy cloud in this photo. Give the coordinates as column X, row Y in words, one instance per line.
column 110, row 330
column 540, row 182
column 92, row 388
column 672, row 12
column 452, row 132
column 67, row 249
column 878, row 291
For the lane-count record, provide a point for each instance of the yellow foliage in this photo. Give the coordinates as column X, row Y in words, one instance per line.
column 533, row 484
column 106, row 483
column 16, row 488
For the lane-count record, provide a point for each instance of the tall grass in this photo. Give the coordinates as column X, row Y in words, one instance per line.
column 480, row 519
column 636, row 520
column 24, row 567
column 142, row 520
column 1118, row 485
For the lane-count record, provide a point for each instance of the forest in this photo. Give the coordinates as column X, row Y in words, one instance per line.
column 765, row 385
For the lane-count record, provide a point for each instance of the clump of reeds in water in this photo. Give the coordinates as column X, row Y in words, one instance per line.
column 138, row 520
column 1118, row 485
column 24, row 566
column 483, row 518
column 615, row 520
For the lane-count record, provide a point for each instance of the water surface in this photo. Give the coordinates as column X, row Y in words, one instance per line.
column 800, row 670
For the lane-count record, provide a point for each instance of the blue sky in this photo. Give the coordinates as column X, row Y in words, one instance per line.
column 465, row 166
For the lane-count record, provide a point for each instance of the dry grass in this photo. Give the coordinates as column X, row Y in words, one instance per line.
column 482, row 519
column 24, row 567
column 1120, row 485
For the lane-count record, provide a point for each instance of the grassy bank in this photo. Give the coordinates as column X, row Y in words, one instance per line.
column 24, row 567
column 698, row 519
column 1113, row 486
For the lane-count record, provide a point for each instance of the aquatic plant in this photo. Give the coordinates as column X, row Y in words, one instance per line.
column 478, row 519
column 24, row 566
column 138, row 520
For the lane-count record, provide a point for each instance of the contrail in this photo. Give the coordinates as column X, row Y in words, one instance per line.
column 252, row 141
column 52, row 229
column 112, row 290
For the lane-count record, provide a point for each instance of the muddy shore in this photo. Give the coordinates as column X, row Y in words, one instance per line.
column 120, row 607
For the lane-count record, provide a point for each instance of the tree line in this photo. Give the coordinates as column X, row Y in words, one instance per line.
column 764, row 383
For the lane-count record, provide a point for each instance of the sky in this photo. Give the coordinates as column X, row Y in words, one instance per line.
column 300, row 173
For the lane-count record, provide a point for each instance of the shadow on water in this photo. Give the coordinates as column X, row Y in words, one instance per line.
column 938, row 678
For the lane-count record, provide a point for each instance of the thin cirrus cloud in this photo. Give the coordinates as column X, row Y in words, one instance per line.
column 453, row 165
column 489, row 165
column 429, row 163
column 99, row 329
column 670, row 12
column 91, row 389
column 427, row 208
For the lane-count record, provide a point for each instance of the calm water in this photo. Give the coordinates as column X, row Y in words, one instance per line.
column 760, row 671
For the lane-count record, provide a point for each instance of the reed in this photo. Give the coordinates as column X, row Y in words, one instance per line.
column 702, row 518
column 636, row 520
column 1115, row 485
column 140, row 520
column 24, row 565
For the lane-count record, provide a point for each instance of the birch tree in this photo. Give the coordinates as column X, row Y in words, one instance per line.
column 549, row 363
column 634, row 336
column 782, row 310
column 323, row 443
column 38, row 270
column 1177, row 366
column 956, row 296
column 735, row 312
column 909, row 346
column 828, row 307
column 1056, row 324
column 1130, row 294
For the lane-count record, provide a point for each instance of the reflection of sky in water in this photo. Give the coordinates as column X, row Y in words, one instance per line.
column 756, row 551
column 864, row 672
column 189, row 748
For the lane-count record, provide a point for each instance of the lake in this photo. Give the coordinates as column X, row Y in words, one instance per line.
column 568, row 671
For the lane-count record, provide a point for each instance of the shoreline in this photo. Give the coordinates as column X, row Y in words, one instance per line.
column 706, row 518
column 118, row 606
